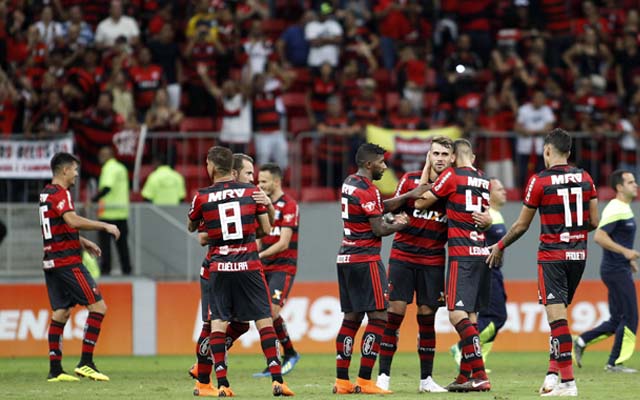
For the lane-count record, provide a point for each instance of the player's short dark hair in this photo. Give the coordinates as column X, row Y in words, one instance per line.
column 616, row 178
column 222, row 159
column 368, row 152
column 273, row 168
column 559, row 139
column 60, row 160
column 443, row 141
column 238, row 158
column 462, row 145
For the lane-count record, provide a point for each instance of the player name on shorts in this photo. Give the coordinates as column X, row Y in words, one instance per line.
column 478, row 251
column 232, row 266
column 575, row 255
column 225, row 194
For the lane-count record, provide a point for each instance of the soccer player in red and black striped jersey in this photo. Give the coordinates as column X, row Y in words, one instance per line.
column 466, row 190
column 279, row 255
column 417, row 264
column 361, row 275
column 237, row 287
column 68, row 281
column 567, row 200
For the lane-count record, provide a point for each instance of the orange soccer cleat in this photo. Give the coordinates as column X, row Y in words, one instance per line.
column 343, row 386
column 367, row 386
column 281, row 389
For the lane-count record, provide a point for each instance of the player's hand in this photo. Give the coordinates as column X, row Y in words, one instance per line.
column 495, row 256
column 261, row 197
column 631, row 254
column 113, row 230
column 634, row 266
column 401, row 219
column 426, row 170
column 482, row 220
column 92, row 248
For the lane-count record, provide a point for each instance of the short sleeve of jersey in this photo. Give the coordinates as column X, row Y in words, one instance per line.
column 261, row 209
column 370, row 202
column 290, row 215
column 445, row 184
column 533, row 193
column 594, row 193
column 202, row 227
column 63, row 202
column 195, row 212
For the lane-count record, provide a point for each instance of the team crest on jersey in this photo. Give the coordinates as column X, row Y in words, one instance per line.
column 370, row 206
column 61, row 204
column 289, row 217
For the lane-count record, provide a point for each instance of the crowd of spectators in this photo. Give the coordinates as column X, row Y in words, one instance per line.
column 98, row 67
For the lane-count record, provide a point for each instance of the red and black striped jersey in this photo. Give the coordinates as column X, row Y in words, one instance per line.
column 557, row 16
column 367, row 111
column 423, row 241
column 61, row 242
column 332, row 148
column 466, row 190
column 229, row 214
column 266, row 117
column 146, row 82
column 286, row 216
column 360, row 202
column 320, row 92
column 202, row 53
column 561, row 194
column 92, row 132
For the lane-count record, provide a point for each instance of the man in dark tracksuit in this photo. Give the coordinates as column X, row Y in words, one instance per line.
column 615, row 234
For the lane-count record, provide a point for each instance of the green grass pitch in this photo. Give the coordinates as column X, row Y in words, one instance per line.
column 513, row 376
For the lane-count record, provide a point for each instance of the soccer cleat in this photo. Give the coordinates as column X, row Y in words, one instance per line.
column 193, row 371
column 281, row 389
column 577, row 352
column 264, row 374
column 456, row 353
column 619, row 368
column 343, row 386
column 430, row 386
column 224, row 391
column 480, row 385
column 563, row 389
column 288, row 362
column 367, row 386
column 205, row 390
column 90, row 371
column 62, row 377
column 550, row 382
column 383, row 381
column 461, row 384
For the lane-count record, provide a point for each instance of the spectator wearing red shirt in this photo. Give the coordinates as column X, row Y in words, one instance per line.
column 393, row 25
column 412, row 77
column 322, row 87
column 147, row 78
column 462, row 71
column 359, row 43
column 556, row 22
column 594, row 20
column 589, row 56
column 52, row 119
column 405, row 117
column 367, row 107
column 9, row 99
column 474, row 19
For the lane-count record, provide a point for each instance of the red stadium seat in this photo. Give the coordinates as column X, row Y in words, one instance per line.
column 302, row 80
column 383, row 79
column 295, row 102
column 299, row 124
column 273, row 28
column 391, row 101
column 431, row 100
column 197, row 124
column 318, row 194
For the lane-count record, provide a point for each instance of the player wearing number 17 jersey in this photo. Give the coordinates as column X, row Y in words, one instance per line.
column 237, row 288
column 568, row 205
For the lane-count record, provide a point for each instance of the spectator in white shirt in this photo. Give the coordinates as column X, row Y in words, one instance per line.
column 49, row 29
column 535, row 119
column 258, row 49
column 324, row 37
column 116, row 25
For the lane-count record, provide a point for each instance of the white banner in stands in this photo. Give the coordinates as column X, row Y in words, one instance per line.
column 29, row 159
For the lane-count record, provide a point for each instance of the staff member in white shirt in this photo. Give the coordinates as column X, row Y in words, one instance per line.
column 324, row 37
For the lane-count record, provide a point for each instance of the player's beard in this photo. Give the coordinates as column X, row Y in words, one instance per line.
column 377, row 175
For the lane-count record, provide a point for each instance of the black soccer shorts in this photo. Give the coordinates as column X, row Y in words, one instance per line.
column 280, row 284
column 426, row 281
column 363, row 287
column 242, row 296
column 68, row 286
column 468, row 285
column 558, row 281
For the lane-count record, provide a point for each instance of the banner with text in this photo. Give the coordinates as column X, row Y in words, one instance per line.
column 25, row 314
column 408, row 151
column 313, row 319
column 29, row 159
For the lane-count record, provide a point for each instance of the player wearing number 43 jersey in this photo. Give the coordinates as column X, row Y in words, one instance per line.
column 566, row 199
column 237, row 288
column 68, row 281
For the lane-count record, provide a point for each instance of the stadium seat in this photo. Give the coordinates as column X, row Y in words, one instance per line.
column 295, row 102
column 383, row 79
column 302, row 80
column 299, row 124
column 197, row 124
column 273, row 28
column 391, row 101
column 318, row 194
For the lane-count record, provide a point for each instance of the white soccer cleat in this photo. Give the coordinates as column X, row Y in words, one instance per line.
column 383, row 381
column 564, row 389
column 550, row 382
column 430, row 386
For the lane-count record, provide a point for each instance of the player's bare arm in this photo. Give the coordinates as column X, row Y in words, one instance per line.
column 84, row 224
column 395, row 203
column 515, row 232
column 91, row 247
column 263, row 223
column 281, row 245
column 594, row 214
column 192, row 226
column 426, row 200
column 604, row 240
column 203, row 238
column 382, row 228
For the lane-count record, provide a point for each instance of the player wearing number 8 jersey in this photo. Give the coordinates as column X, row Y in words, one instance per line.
column 68, row 281
column 237, row 288
column 566, row 199
column 466, row 190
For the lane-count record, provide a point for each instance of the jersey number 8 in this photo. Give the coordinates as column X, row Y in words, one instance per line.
column 230, row 220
